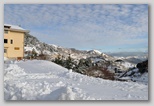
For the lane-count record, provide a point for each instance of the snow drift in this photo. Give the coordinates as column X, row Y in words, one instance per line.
column 44, row 80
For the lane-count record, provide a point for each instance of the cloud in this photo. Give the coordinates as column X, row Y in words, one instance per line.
column 82, row 26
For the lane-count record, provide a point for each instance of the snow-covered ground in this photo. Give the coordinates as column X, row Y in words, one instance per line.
column 44, row 80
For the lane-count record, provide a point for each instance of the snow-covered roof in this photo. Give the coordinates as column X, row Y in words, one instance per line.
column 15, row 27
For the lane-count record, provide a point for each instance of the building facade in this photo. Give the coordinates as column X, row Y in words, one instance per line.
column 14, row 41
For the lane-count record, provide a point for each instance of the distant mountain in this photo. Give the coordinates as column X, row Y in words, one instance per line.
column 96, row 52
column 126, row 54
column 32, row 42
column 53, row 51
column 133, row 59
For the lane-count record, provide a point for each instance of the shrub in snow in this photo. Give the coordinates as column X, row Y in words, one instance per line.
column 100, row 72
column 34, row 54
column 42, row 56
column 69, row 62
column 143, row 66
column 58, row 60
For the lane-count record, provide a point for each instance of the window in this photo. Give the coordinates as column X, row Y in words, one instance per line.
column 6, row 31
column 16, row 48
column 5, row 50
column 5, row 40
column 11, row 41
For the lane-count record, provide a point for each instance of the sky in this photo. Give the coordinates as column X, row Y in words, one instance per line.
column 104, row 27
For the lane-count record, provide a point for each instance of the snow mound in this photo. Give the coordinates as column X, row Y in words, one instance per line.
column 13, row 71
column 63, row 93
column 44, row 80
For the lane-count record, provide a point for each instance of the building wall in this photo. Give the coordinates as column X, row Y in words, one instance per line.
column 17, row 48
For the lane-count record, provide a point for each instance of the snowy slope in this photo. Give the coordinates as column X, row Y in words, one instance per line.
column 31, row 49
column 97, row 51
column 44, row 80
column 94, row 52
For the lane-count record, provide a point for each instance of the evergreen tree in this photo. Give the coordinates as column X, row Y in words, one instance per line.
column 58, row 60
column 69, row 62
column 34, row 54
